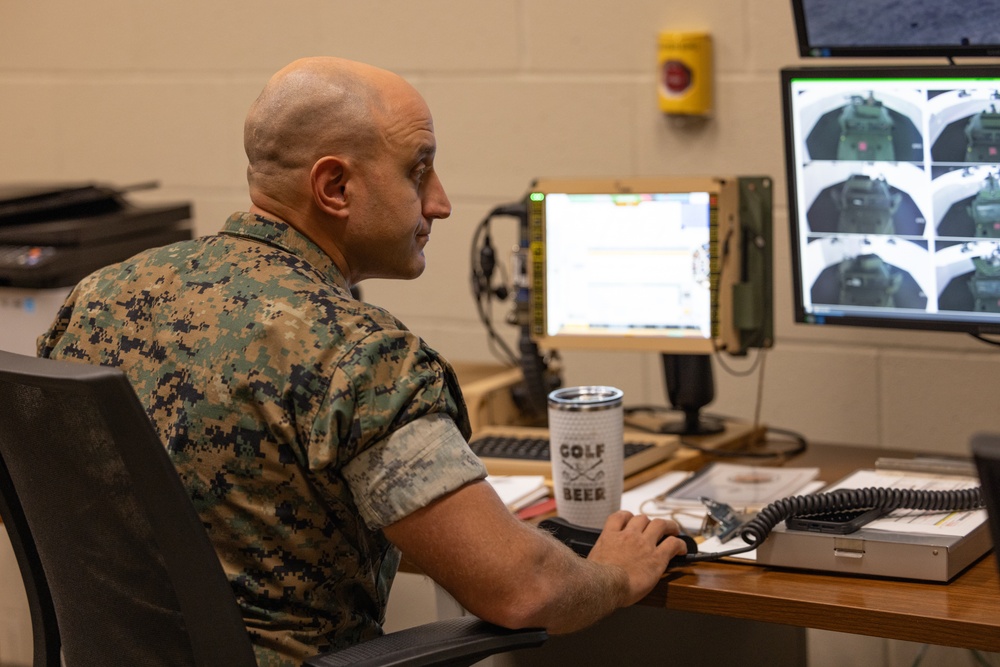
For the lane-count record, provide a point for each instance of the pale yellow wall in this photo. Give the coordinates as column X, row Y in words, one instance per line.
column 125, row 92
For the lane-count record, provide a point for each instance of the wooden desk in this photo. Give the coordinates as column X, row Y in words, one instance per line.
column 964, row 613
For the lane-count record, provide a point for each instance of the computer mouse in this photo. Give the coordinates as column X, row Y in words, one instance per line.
column 692, row 549
column 581, row 539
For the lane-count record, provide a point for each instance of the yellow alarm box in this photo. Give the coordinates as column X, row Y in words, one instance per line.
column 685, row 73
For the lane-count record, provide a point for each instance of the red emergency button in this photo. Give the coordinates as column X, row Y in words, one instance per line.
column 676, row 76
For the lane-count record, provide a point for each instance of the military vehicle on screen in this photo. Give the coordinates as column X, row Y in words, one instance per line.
column 865, row 130
column 868, row 281
column 985, row 282
column 867, row 206
column 983, row 135
column 985, row 208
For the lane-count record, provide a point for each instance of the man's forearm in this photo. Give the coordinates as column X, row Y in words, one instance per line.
column 516, row 575
column 577, row 592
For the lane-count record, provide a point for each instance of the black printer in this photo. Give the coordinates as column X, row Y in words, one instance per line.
column 54, row 235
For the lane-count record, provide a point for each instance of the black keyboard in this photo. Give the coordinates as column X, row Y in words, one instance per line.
column 531, row 449
column 526, row 451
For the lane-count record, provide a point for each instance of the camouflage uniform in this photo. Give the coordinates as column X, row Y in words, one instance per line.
column 301, row 420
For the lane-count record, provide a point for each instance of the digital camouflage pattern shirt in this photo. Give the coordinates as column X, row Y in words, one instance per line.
column 300, row 419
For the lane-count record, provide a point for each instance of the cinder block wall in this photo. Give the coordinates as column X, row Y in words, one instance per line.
column 127, row 92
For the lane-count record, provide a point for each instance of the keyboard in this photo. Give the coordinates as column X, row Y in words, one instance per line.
column 522, row 450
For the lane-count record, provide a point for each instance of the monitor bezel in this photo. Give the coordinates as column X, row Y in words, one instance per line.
column 724, row 189
column 801, row 316
column 809, row 50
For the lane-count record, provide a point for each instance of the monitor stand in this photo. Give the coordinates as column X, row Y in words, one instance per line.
column 690, row 387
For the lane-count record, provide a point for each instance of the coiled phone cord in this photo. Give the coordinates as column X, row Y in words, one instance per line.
column 757, row 529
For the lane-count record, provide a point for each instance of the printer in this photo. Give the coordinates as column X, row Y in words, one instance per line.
column 52, row 235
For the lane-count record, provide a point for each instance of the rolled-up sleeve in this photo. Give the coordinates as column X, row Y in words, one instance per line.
column 411, row 468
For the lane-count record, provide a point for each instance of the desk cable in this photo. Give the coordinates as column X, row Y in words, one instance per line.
column 797, row 443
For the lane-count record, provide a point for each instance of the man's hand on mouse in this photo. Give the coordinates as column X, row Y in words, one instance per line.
column 635, row 544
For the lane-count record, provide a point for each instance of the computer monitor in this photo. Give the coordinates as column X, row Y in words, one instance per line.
column 865, row 28
column 894, row 196
column 648, row 264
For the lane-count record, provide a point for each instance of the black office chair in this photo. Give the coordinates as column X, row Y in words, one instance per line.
column 986, row 454
column 116, row 564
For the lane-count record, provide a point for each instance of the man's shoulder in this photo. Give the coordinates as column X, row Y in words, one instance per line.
column 161, row 258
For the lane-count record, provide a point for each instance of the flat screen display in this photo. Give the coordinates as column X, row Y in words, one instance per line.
column 894, row 195
column 620, row 267
column 845, row 28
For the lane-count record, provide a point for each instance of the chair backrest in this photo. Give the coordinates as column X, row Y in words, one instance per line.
column 117, row 565
column 986, row 453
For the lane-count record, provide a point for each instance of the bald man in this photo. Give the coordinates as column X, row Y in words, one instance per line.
column 316, row 435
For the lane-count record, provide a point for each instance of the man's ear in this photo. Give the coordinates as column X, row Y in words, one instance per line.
column 328, row 179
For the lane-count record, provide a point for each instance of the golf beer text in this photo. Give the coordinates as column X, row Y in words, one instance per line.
column 586, row 455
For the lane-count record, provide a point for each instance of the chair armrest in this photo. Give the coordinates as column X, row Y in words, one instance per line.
column 452, row 642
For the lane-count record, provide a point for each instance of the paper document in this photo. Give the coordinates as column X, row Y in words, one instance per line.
column 744, row 488
column 518, row 491
column 914, row 521
column 677, row 494
column 714, row 545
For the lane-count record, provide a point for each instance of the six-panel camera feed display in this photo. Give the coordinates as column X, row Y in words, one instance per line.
column 895, row 197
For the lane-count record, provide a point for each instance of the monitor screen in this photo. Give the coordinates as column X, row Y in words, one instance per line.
column 894, row 195
column 625, row 264
column 839, row 28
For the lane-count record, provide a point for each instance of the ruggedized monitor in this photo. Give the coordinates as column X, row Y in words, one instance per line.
column 654, row 264
column 894, row 195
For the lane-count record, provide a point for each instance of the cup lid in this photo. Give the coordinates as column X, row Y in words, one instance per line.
column 585, row 398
